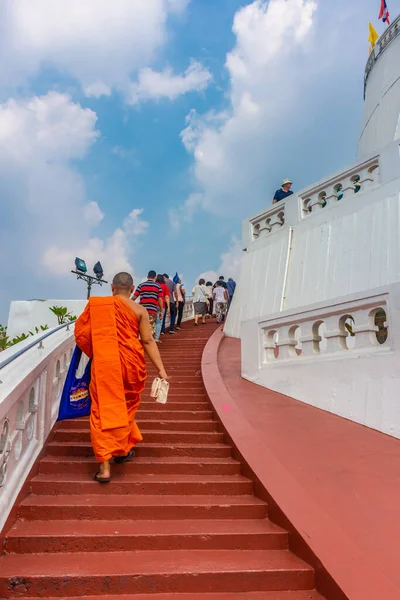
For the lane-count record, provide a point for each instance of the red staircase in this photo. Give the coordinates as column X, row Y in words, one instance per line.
column 179, row 522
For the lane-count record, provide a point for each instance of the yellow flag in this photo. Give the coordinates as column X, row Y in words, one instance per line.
column 373, row 36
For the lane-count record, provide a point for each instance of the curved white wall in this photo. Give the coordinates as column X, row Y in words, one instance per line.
column 381, row 120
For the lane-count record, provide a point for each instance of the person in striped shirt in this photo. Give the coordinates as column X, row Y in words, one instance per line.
column 150, row 297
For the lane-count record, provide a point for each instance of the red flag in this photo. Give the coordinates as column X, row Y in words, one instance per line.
column 384, row 13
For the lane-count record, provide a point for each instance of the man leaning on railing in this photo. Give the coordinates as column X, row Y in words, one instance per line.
column 284, row 192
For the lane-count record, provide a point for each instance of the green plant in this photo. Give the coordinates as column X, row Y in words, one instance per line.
column 62, row 314
column 19, row 338
column 3, row 338
column 5, row 341
column 39, row 329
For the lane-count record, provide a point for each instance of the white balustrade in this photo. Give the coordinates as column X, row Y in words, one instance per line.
column 354, row 181
column 359, row 326
column 30, row 391
column 268, row 221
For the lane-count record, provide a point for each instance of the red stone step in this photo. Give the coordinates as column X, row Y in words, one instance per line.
column 120, row 507
column 177, row 395
column 291, row 595
column 145, row 449
column 125, row 483
column 163, row 423
column 146, row 413
column 175, row 406
column 114, row 536
column 167, row 423
column 165, row 437
column 153, row 571
column 140, row 464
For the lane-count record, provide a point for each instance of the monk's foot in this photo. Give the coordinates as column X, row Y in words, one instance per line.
column 100, row 479
column 104, row 474
column 122, row 459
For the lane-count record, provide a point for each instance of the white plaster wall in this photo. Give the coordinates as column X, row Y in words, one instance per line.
column 355, row 247
column 347, row 247
column 25, row 315
column 360, row 383
column 380, row 125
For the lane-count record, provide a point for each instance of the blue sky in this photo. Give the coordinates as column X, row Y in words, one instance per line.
column 141, row 132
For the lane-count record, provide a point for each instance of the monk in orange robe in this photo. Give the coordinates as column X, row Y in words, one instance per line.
column 108, row 332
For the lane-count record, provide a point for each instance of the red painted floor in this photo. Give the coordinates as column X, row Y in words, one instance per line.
column 179, row 522
column 349, row 472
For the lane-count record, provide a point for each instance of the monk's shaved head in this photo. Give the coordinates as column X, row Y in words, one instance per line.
column 123, row 281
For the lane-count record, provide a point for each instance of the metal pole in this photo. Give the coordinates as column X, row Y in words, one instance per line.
column 89, row 287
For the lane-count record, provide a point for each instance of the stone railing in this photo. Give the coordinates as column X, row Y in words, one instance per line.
column 354, row 181
column 357, row 326
column 30, row 391
column 269, row 221
column 388, row 36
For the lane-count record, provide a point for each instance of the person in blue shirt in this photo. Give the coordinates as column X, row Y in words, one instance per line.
column 284, row 192
column 231, row 286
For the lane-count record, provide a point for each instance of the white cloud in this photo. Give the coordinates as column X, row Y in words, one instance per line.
column 134, row 225
column 47, row 128
column 97, row 90
column 92, row 214
column 185, row 213
column 128, row 154
column 46, row 216
column 236, row 152
column 113, row 253
column 230, row 263
column 97, row 42
column 153, row 85
column 231, row 260
column 178, row 6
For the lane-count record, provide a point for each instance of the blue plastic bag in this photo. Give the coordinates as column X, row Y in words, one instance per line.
column 75, row 397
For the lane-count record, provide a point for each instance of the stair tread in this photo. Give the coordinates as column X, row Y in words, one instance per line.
column 146, row 444
column 178, row 460
column 145, row 425
column 158, row 408
column 139, row 500
column 158, row 431
column 292, row 595
column 69, row 528
column 141, row 478
column 66, row 564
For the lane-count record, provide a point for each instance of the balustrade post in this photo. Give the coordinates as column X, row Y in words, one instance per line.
column 308, row 339
column 330, row 197
column 286, row 344
column 335, row 337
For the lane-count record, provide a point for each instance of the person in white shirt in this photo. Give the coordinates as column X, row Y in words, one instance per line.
column 221, row 298
column 210, row 290
column 200, row 302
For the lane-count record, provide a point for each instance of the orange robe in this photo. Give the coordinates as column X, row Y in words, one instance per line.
column 107, row 331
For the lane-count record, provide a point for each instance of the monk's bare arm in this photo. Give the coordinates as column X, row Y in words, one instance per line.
column 149, row 345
